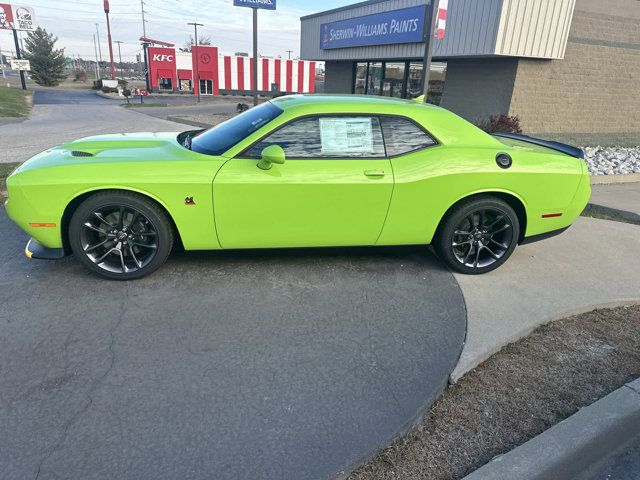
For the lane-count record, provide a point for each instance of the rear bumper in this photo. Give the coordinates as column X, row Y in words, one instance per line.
column 36, row 250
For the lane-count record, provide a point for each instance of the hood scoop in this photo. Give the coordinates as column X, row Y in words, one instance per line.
column 78, row 153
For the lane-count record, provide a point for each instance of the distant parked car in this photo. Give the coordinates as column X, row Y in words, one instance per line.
column 299, row 171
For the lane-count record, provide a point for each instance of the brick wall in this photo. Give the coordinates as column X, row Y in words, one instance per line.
column 593, row 95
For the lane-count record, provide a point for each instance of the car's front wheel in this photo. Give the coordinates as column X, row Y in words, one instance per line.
column 478, row 235
column 120, row 235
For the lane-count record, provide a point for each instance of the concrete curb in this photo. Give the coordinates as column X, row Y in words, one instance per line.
column 608, row 213
column 461, row 370
column 618, row 178
column 106, row 95
column 569, row 448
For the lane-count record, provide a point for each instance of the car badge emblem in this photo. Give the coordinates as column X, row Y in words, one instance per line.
column 189, row 201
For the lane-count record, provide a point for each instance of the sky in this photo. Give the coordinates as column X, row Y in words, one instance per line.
column 228, row 27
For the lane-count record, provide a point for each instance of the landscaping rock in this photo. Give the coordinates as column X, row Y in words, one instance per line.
column 612, row 160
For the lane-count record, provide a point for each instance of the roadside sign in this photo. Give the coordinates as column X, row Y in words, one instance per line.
column 17, row 17
column 264, row 4
column 20, row 65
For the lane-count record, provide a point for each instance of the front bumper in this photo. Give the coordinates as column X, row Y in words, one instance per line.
column 36, row 250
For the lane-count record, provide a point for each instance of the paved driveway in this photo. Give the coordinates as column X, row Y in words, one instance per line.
column 62, row 115
column 256, row 365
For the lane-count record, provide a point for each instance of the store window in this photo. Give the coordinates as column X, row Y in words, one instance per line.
column 399, row 79
column 414, row 80
column 437, row 78
column 374, row 78
column 185, row 85
column 360, row 78
column 165, row 84
column 393, row 79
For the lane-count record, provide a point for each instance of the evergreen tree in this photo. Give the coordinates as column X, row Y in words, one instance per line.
column 47, row 63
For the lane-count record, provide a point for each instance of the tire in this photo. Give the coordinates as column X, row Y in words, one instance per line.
column 120, row 235
column 477, row 235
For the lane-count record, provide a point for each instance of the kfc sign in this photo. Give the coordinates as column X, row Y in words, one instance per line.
column 162, row 58
column 17, row 17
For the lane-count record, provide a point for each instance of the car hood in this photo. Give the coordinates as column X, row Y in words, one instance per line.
column 123, row 147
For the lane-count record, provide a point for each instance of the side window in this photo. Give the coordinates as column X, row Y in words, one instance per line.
column 299, row 139
column 326, row 137
column 351, row 137
column 403, row 136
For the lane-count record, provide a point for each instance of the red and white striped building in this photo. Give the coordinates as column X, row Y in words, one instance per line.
column 226, row 74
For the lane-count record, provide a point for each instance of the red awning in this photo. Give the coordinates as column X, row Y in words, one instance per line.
column 163, row 73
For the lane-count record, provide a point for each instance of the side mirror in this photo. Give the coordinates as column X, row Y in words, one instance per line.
column 270, row 155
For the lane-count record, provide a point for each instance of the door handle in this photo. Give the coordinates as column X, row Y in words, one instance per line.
column 374, row 173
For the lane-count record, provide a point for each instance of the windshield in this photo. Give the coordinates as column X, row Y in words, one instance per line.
column 222, row 137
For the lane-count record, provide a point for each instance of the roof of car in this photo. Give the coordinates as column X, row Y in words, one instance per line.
column 345, row 101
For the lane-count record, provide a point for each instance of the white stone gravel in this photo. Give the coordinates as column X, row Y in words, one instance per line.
column 612, row 160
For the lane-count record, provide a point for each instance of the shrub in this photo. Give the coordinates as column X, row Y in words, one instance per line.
column 501, row 123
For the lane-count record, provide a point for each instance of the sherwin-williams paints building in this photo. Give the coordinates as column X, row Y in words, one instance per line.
column 570, row 69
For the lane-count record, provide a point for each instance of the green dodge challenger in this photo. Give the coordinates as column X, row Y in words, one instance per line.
column 299, row 171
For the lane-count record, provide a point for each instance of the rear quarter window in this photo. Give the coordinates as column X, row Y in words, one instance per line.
column 401, row 136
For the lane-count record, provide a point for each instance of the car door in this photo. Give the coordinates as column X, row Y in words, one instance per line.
column 334, row 187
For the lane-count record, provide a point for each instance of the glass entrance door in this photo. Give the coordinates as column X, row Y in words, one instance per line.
column 393, row 79
column 206, row 87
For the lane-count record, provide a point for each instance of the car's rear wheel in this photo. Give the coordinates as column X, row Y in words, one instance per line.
column 120, row 235
column 478, row 235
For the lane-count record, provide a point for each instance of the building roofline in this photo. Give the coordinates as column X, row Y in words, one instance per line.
column 342, row 9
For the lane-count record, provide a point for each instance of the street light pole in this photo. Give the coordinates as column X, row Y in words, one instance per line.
column 120, row 58
column 196, row 83
column 289, row 52
column 255, row 56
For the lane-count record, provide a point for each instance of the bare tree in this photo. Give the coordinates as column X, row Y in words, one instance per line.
column 206, row 41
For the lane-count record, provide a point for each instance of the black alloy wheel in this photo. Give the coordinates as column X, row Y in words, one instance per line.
column 120, row 235
column 478, row 235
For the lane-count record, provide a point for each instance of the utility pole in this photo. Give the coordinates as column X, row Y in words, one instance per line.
column 120, row 58
column 95, row 48
column 113, row 66
column 98, row 37
column 432, row 18
column 144, row 27
column 289, row 52
column 195, row 46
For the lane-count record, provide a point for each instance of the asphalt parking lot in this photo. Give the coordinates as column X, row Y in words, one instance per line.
column 63, row 115
column 263, row 364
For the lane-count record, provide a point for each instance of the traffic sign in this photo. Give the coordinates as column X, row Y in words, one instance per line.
column 20, row 65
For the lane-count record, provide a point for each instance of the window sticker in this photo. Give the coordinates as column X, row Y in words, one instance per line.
column 346, row 136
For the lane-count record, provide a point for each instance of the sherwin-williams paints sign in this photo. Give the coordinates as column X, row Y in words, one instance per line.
column 265, row 4
column 397, row 26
